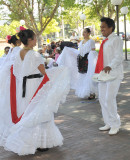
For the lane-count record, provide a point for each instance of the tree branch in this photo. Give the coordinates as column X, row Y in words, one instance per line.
column 51, row 16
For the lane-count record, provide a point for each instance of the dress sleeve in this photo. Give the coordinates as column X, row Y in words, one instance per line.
column 38, row 59
column 35, row 60
column 80, row 44
column 92, row 44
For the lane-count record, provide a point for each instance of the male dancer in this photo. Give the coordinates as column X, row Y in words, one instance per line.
column 110, row 60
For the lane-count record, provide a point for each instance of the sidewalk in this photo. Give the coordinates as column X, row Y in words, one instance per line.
column 79, row 120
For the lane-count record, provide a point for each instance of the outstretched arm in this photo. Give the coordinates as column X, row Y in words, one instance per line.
column 42, row 69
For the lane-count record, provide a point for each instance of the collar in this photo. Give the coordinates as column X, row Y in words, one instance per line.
column 111, row 35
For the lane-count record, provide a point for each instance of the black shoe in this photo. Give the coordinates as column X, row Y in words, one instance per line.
column 42, row 149
column 92, row 96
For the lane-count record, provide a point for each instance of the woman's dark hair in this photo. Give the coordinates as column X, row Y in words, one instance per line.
column 88, row 30
column 67, row 44
column 53, row 46
column 110, row 22
column 6, row 48
column 13, row 40
column 25, row 35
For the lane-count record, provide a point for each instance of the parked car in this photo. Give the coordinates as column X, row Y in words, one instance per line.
column 128, row 36
column 122, row 35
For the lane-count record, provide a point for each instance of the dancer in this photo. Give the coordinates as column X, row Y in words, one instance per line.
column 110, row 61
column 15, row 43
column 81, row 82
column 87, row 55
column 29, row 101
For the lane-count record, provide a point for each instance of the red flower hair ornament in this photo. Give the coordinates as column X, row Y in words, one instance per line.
column 8, row 37
column 20, row 28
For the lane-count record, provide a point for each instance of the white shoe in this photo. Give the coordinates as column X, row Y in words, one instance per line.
column 113, row 131
column 105, row 128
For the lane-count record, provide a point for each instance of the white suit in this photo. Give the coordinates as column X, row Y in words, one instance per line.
column 113, row 57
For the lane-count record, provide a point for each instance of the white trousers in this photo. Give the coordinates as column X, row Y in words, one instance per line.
column 107, row 98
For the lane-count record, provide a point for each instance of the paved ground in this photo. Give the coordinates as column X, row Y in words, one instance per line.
column 79, row 120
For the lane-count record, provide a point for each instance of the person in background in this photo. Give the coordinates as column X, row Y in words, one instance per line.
column 6, row 50
column 74, row 39
column 15, row 46
column 4, row 56
column 44, row 48
column 40, row 50
column 57, row 53
column 49, row 49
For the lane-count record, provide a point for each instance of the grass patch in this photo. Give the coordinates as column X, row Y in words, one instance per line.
column 128, row 50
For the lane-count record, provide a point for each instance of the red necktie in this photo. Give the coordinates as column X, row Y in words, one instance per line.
column 99, row 65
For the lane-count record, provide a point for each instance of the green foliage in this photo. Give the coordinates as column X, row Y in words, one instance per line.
column 100, row 8
column 33, row 11
column 72, row 17
column 127, row 3
column 9, row 29
column 51, row 28
column 67, row 3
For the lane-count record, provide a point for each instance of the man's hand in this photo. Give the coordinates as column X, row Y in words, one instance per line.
column 107, row 69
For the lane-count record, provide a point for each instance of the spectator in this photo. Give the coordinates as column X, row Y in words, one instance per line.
column 49, row 49
column 6, row 50
column 57, row 53
column 74, row 39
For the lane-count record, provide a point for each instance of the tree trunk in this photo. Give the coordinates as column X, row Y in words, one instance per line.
column 39, row 40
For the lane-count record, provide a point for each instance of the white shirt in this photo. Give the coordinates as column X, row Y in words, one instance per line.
column 113, row 54
column 74, row 39
column 86, row 47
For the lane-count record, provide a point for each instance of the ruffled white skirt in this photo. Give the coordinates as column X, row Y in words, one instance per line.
column 85, row 85
column 36, row 129
column 68, row 58
column 81, row 83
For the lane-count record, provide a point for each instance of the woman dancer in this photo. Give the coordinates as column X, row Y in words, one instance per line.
column 85, row 86
column 81, row 76
column 30, row 103
column 15, row 43
column 6, row 65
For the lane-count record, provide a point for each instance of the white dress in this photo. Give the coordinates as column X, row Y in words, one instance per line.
column 85, row 85
column 9, row 58
column 68, row 58
column 5, row 69
column 81, row 83
column 36, row 129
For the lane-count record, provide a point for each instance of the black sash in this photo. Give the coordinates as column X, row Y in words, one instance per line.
column 29, row 77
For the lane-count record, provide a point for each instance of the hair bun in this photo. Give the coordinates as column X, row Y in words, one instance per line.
column 25, row 35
